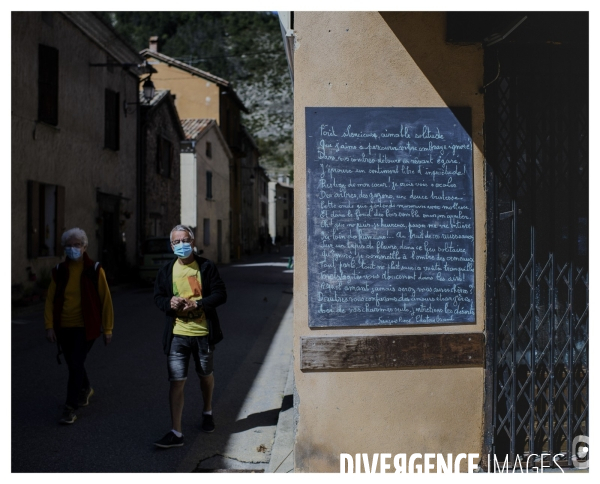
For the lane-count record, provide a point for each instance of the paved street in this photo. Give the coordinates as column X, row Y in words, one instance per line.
column 130, row 410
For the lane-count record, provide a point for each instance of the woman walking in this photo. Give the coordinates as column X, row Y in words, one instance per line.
column 78, row 306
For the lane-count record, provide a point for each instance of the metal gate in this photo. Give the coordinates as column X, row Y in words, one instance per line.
column 536, row 144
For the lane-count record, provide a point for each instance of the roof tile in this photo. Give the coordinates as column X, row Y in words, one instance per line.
column 193, row 127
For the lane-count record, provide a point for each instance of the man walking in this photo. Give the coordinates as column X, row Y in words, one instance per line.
column 188, row 290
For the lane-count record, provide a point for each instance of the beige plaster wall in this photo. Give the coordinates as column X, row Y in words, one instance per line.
column 217, row 208
column 390, row 60
column 71, row 154
column 195, row 97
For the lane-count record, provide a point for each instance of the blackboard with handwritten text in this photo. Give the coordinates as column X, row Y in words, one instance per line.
column 390, row 217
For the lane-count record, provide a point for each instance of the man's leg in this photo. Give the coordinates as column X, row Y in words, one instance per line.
column 207, row 384
column 176, row 402
column 177, row 365
column 203, row 358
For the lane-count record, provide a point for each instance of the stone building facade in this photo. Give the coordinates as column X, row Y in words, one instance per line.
column 73, row 149
column 202, row 95
column 205, row 167
column 162, row 135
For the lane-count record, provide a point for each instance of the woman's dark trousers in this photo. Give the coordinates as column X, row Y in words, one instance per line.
column 75, row 349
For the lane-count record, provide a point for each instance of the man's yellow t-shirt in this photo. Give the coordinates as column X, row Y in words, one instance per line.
column 187, row 283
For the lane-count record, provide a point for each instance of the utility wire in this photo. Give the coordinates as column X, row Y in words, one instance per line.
column 196, row 60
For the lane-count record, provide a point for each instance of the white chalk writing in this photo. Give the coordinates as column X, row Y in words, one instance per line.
column 391, row 222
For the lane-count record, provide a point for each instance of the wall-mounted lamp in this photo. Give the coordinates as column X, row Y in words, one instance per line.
column 148, row 90
column 148, row 86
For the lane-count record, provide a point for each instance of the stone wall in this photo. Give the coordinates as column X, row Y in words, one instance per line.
column 72, row 154
column 162, row 191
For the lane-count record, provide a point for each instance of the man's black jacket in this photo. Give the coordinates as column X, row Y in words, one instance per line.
column 213, row 295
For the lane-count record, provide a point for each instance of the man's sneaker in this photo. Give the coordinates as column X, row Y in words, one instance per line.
column 169, row 440
column 84, row 398
column 68, row 416
column 208, row 423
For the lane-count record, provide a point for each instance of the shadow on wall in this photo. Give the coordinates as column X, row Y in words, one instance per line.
column 423, row 35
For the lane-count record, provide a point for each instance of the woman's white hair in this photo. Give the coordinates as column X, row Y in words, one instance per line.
column 74, row 232
column 182, row 228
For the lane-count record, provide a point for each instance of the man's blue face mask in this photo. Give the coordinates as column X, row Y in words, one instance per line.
column 182, row 250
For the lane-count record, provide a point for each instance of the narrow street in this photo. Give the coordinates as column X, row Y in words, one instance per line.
column 130, row 408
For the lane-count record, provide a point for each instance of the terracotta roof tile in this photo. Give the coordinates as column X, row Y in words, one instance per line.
column 193, row 127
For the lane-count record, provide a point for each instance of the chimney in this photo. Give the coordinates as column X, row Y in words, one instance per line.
column 153, row 43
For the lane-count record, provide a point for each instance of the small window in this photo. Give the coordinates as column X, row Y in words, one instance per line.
column 45, row 219
column 111, row 119
column 208, row 149
column 48, row 84
column 110, row 61
column 285, row 214
column 164, row 153
column 206, row 231
column 209, row 193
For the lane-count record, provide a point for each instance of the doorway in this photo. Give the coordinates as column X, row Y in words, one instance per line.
column 111, row 247
column 537, row 323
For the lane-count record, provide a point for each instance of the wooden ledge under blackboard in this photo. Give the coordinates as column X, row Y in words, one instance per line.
column 392, row 352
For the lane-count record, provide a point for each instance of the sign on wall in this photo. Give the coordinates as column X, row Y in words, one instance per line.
column 390, row 217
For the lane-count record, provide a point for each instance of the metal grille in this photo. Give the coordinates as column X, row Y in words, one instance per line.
column 537, row 305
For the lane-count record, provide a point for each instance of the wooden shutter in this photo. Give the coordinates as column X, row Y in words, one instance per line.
column 48, row 84
column 165, row 154
column 209, row 184
column 111, row 119
column 33, row 219
column 60, row 219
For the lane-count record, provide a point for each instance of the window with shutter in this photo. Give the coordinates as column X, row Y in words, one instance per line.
column 206, row 231
column 209, row 193
column 45, row 219
column 111, row 119
column 48, row 84
column 164, row 154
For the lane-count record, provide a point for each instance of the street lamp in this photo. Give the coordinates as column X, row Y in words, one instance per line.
column 148, row 86
column 148, row 90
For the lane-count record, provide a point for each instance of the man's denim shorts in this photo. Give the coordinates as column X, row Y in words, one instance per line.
column 179, row 356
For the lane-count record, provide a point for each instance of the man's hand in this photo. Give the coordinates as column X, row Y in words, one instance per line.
column 107, row 339
column 51, row 335
column 189, row 305
column 177, row 303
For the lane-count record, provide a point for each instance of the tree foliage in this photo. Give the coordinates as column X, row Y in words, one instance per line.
column 244, row 48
